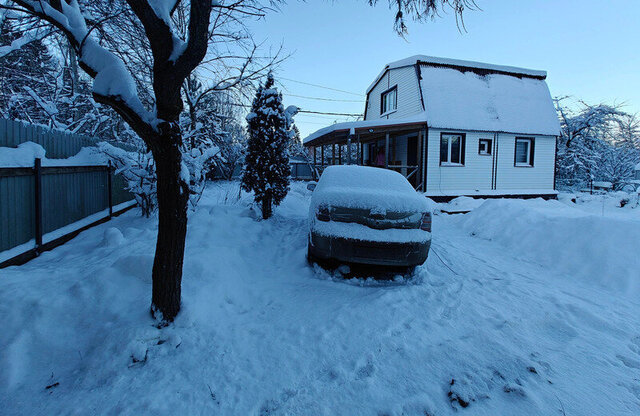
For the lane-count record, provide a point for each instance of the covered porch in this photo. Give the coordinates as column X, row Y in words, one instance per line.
column 397, row 146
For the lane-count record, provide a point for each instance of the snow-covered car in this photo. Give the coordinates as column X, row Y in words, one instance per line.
column 367, row 215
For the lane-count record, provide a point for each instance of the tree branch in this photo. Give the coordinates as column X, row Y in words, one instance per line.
column 95, row 60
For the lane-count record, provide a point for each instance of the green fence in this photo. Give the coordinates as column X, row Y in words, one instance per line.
column 37, row 203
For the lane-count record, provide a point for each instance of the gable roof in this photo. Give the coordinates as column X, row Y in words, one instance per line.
column 458, row 64
column 472, row 96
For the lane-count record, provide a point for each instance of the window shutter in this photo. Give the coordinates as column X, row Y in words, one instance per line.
column 463, row 148
column 533, row 150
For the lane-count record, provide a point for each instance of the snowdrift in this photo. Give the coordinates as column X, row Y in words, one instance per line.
column 587, row 248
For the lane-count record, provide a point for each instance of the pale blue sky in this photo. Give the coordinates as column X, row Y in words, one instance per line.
column 590, row 48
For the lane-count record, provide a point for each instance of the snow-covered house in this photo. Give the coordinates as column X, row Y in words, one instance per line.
column 453, row 128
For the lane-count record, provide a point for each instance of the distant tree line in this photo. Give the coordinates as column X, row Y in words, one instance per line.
column 597, row 143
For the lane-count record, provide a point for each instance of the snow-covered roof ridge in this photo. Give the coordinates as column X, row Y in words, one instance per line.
column 440, row 61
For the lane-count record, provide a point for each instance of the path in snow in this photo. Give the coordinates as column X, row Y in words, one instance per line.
column 261, row 332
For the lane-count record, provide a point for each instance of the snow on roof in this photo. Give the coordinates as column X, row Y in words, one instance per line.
column 434, row 60
column 506, row 99
column 352, row 125
column 492, row 102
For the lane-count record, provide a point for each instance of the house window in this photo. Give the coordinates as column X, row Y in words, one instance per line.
column 524, row 151
column 452, row 149
column 484, row 147
column 389, row 101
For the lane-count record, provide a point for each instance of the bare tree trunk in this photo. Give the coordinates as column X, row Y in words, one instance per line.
column 173, row 197
column 266, row 207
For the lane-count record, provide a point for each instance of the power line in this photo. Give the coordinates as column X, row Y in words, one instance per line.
column 331, row 114
column 322, row 86
column 316, row 123
column 309, row 111
column 324, row 99
column 321, row 116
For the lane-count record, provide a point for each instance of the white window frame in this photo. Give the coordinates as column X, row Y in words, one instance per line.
column 529, row 162
column 487, row 151
column 393, row 105
column 448, row 137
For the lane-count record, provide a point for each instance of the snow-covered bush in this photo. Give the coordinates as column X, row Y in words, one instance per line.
column 198, row 158
column 138, row 169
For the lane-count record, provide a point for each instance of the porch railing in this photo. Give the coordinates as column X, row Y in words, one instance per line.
column 412, row 171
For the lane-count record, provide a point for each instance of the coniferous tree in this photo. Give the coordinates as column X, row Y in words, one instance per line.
column 27, row 80
column 266, row 171
column 295, row 143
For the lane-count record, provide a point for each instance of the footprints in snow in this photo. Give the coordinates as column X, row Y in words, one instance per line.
column 141, row 350
column 479, row 384
column 631, row 362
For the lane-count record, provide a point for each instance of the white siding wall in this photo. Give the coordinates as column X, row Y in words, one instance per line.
column 474, row 175
column 540, row 176
column 409, row 102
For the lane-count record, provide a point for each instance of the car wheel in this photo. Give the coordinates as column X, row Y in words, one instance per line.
column 310, row 257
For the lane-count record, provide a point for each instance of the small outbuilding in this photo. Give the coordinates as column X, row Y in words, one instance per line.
column 453, row 128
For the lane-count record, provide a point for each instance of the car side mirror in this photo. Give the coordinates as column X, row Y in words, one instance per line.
column 311, row 186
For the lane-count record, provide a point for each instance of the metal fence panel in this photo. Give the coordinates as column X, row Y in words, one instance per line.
column 69, row 194
column 120, row 193
column 57, row 144
column 70, row 197
column 17, row 210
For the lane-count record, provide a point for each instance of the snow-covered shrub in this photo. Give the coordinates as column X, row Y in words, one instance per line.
column 138, row 169
column 198, row 159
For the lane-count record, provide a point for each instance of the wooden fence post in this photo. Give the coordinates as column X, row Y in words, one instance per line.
column 38, row 200
column 110, row 189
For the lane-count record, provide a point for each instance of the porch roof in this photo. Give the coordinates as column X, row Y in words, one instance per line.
column 338, row 133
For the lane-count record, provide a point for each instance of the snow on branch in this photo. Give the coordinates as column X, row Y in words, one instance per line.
column 25, row 39
column 113, row 84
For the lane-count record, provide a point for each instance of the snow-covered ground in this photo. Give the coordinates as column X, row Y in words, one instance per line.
column 492, row 321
